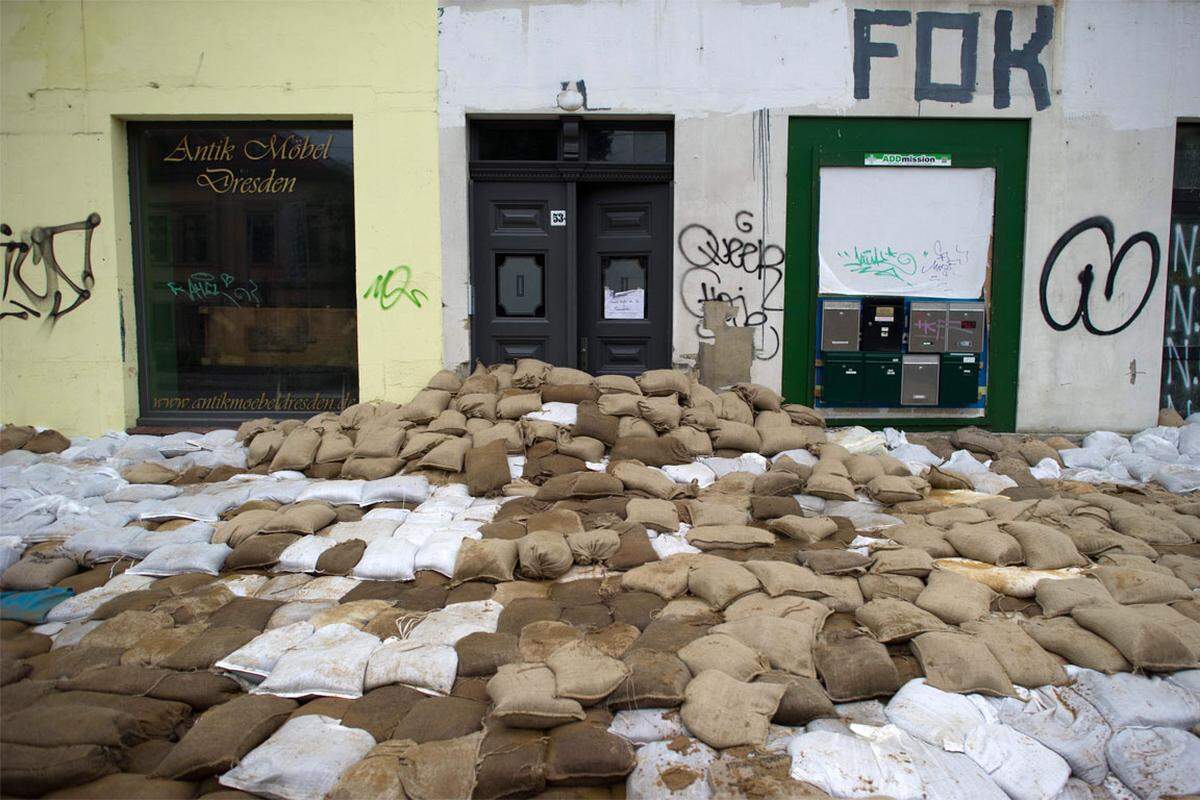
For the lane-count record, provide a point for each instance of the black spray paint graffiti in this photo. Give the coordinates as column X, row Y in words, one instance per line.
column 1004, row 59
column 1087, row 276
column 1180, row 387
column 59, row 294
column 722, row 267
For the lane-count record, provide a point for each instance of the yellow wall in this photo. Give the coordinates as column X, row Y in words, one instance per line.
column 72, row 73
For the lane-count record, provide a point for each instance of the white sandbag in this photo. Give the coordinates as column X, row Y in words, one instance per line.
column 1063, row 721
column 1155, row 762
column 862, row 712
column 205, row 507
column 917, row 457
column 389, row 559
column 962, row 462
column 439, row 554
column 303, row 760
column 448, row 625
column 397, row 514
column 1011, row 581
column 852, row 766
column 1189, row 437
column 302, row 554
column 859, row 440
column 283, row 492
column 746, row 462
column 1107, row 442
column 516, row 467
column 101, row 544
column 645, row 725
column 560, row 414
column 1084, row 458
column 1178, row 478
column 1187, row 679
column 335, row 492
column 658, row 760
column 242, row 585
column 799, row 455
column 429, row 668
column 1150, row 443
column 942, row 719
column 811, row 505
column 1127, row 700
column 332, row 662
column 1046, row 470
column 146, row 542
column 82, row 605
column 68, row 634
column 136, row 492
column 257, row 657
column 368, row 530
column 396, row 489
column 668, row 544
column 990, row 482
column 325, row 587
column 295, row 611
column 943, row 775
column 686, row 473
column 1023, row 768
column 11, row 549
column 176, row 559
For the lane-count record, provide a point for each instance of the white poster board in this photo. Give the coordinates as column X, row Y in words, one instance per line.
column 629, row 304
column 916, row 231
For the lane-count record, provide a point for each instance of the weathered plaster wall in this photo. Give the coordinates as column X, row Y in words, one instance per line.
column 73, row 73
column 731, row 72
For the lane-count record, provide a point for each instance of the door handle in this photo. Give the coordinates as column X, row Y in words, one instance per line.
column 583, row 353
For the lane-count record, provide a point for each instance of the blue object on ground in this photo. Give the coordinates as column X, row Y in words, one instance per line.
column 32, row 607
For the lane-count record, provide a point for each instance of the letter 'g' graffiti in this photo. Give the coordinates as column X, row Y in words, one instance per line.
column 387, row 295
column 1087, row 276
column 60, row 294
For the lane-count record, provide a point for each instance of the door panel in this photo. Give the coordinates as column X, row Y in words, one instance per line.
column 624, row 278
column 518, row 268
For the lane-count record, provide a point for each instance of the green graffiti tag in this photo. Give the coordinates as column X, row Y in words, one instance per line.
column 881, row 261
column 388, row 295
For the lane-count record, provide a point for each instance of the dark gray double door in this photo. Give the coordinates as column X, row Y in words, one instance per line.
column 576, row 274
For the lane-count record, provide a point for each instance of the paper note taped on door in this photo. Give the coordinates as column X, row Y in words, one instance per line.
column 625, row 305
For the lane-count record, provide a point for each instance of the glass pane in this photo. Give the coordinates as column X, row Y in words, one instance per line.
column 1187, row 156
column 627, row 146
column 247, row 267
column 624, row 281
column 520, row 285
column 518, row 144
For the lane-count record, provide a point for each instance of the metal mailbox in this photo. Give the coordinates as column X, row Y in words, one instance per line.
column 840, row 325
column 927, row 327
column 919, row 380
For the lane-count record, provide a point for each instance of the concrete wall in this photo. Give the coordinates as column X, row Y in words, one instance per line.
column 73, row 73
column 1119, row 75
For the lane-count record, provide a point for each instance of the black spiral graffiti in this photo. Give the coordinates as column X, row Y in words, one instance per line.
column 1087, row 276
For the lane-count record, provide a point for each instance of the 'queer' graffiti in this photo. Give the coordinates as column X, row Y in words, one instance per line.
column 722, row 267
column 59, row 293
column 383, row 290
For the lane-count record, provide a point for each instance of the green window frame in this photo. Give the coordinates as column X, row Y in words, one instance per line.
column 1001, row 144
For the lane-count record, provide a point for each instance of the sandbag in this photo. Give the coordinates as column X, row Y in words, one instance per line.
column 1147, row 644
column 523, row 695
column 896, row 621
column 724, row 712
column 854, row 666
column 954, row 598
column 223, row 735
column 1024, row 661
column 1064, row 637
column 955, row 662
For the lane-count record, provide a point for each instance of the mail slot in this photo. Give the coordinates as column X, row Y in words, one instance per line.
column 839, row 325
column 881, row 378
column 964, row 327
column 882, row 323
column 842, row 378
column 959, row 379
column 919, row 380
column 927, row 327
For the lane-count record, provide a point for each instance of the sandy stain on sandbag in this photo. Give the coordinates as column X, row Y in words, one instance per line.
column 678, row 777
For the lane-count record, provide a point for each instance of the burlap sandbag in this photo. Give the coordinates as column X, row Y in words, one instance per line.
column 731, row 435
column 579, row 485
column 149, row 472
column 728, row 537
column 659, row 382
column 523, row 695
column 830, row 486
column 425, row 406
column 1044, row 547
column 720, row 651
column 512, row 762
column 660, row 452
column 584, row 448
column 13, row 437
column 594, row 546
column 447, row 456
column 899, row 587
column 1060, row 597
column 854, row 666
column 544, row 555
column 584, row 673
column 585, row 753
column 634, row 550
column 487, row 469
column 896, row 621
column 1064, row 637
column 958, row 662
column 28, row 771
column 1025, row 661
column 1129, row 585
column 297, row 451
column 787, row 643
column 664, row 413
column 909, row 561
column 985, row 543
column 491, row 560
column 926, row 537
column 719, row 582
column 200, row 690
column 64, row 725
column 667, row 578
column 223, row 735
column 378, row 438
column 658, row 515
column 302, row 518
column 724, row 712
column 656, row 680
column 591, row 421
column 955, row 598
column 891, row 489
column 652, row 482
column 1147, row 644
column 37, row 571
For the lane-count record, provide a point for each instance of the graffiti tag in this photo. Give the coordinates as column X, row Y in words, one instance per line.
column 1087, row 276
column 387, row 295
column 721, row 265
column 60, row 294
column 1181, row 336
column 884, row 262
column 201, row 286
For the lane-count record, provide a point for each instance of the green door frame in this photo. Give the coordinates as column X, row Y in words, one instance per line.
column 815, row 142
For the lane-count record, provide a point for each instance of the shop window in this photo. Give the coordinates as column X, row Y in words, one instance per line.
column 626, row 146
column 245, row 269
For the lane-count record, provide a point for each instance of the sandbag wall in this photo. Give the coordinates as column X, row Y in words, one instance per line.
column 569, row 581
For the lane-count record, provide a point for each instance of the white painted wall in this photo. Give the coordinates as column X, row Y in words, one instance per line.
column 732, row 72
